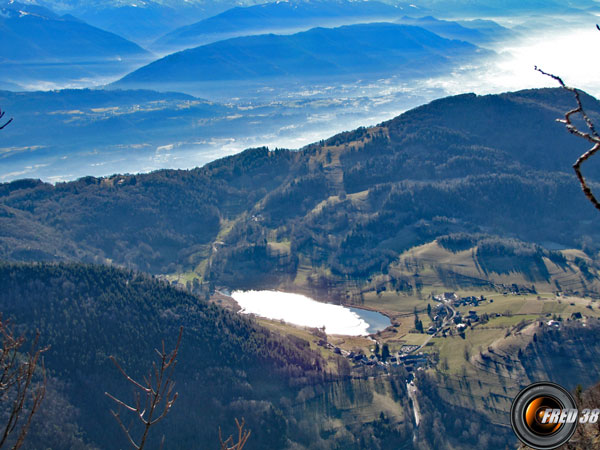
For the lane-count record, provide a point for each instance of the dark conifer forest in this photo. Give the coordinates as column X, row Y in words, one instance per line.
column 86, row 263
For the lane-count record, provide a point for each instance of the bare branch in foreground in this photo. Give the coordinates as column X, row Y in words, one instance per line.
column 17, row 384
column 156, row 390
column 243, row 436
column 1, row 116
column 591, row 135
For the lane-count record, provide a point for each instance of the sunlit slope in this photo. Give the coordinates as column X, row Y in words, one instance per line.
column 462, row 164
column 496, row 167
column 541, row 270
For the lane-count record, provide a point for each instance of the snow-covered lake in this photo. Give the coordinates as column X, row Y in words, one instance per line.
column 304, row 311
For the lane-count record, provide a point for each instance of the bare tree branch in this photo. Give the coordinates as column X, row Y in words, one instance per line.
column 125, row 430
column 591, row 135
column 243, row 436
column 17, row 382
column 157, row 389
column 1, row 116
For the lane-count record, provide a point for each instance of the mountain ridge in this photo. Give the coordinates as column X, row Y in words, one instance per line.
column 275, row 17
column 402, row 183
column 32, row 33
column 458, row 194
column 351, row 50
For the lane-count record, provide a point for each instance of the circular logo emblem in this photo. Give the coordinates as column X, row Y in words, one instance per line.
column 544, row 416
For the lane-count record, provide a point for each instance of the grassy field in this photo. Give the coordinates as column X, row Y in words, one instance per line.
column 439, row 267
column 370, row 397
column 396, row 303
column 414, row 338
column 505, row 312
column 302, row 333
column 463, row 377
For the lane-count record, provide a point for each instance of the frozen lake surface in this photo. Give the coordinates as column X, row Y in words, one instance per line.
column 304, row 311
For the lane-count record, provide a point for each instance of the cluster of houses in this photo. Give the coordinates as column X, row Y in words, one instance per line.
column 472, row 316
column 461, row 321
column 557, row 323
column 359, row 358
column 457, row 301
column 515, row 289
column 553, row 323
column 409, row 361
column 440, row 312
column 413, row 362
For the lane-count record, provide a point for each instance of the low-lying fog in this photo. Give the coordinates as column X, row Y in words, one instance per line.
column 292, row 117
column 565, row 48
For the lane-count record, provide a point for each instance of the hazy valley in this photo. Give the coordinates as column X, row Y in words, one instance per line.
column 328, row 148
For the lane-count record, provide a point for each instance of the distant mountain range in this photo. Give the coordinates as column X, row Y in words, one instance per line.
column 145, row 21
column 351, row 51
column 474, row 31
column 141, row 21
column 279, row 17
column 40, row 50
column 456, row 8
column 34, row 33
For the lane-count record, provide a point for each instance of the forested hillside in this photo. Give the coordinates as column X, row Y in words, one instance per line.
column 588, row 436
column 483, row 182
column 497, row 165
column 86, row 313
column 228, row 366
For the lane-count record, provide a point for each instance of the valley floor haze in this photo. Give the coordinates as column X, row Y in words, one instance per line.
column 273, row 113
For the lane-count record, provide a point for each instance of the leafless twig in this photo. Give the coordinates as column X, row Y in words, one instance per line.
column 1, row 116
column 156, row 389
column 16, row 383
column 243, row 436
column 591, row 135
